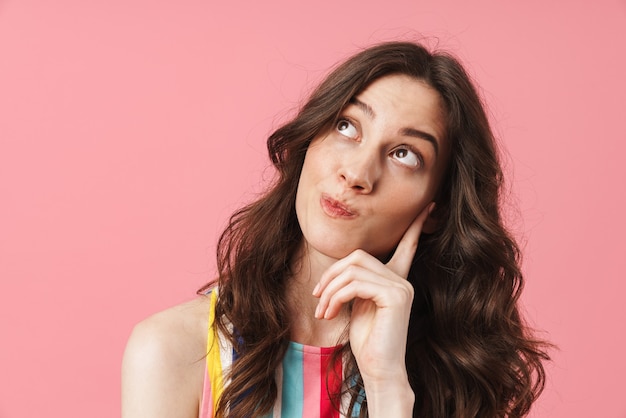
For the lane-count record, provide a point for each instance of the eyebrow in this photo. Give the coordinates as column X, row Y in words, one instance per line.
column 367, row 109
column 412, row 132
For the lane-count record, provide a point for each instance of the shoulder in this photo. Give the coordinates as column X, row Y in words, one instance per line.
column 164, row 362
column 177, row 334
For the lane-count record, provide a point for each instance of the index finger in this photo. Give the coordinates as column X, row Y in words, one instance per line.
column 402, row 258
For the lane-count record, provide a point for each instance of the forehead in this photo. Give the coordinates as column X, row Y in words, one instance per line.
column 405, row 101
column 403, row 93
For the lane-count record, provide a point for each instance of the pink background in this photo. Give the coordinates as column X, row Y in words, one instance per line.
column 131, row 129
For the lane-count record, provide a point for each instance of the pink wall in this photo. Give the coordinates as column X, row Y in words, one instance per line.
column 129, row 130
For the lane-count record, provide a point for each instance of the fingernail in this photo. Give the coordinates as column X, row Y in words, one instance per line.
column 316, row 289
column 317, row 311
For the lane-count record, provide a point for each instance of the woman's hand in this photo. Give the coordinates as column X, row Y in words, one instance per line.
column 382, row 299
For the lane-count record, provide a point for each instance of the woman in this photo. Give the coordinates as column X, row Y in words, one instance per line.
column 325, row 269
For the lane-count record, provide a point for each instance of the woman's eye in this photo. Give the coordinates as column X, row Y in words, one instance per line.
column 407, row 157
column 346, row 128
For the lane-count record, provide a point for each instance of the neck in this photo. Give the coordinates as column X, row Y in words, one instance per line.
column 308, row 267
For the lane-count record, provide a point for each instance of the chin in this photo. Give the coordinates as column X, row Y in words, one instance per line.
column 336, row 244
column 340, row 251
column 336, row 253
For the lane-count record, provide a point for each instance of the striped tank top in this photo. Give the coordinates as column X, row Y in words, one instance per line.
column 302, row 378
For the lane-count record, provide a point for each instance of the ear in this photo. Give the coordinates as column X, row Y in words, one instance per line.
column 432, row 222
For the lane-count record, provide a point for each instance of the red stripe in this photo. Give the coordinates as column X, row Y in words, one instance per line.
column 334, row 378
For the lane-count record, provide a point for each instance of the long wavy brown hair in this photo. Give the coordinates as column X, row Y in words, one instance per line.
column 469, row 352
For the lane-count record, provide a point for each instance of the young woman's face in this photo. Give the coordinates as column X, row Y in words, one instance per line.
column 364, row 181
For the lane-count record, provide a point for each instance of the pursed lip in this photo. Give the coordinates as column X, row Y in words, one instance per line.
column 335, row 208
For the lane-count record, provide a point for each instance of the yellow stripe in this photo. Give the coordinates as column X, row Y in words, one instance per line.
column 214, row 362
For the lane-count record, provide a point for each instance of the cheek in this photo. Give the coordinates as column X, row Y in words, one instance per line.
column 402, row 211
column 309, row 176
column 394, row 220
column 405, row 201
column 303, row 186
column 401, row 222
column 318, row 164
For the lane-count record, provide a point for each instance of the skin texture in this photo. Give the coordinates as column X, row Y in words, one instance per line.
column 366, row 189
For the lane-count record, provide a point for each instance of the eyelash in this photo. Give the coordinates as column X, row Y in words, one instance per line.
column 346, row 120
column 418, row 156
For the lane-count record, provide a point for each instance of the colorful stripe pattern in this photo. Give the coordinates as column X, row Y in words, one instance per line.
column 303, row 378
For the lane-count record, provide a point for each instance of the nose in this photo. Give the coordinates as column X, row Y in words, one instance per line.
column 361, row 171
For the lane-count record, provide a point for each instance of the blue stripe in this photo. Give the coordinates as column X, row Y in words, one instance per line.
column 293, row 382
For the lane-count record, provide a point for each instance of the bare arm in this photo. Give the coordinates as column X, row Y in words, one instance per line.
column 163, row 366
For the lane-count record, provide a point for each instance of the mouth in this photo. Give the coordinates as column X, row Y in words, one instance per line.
column 335, row 208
